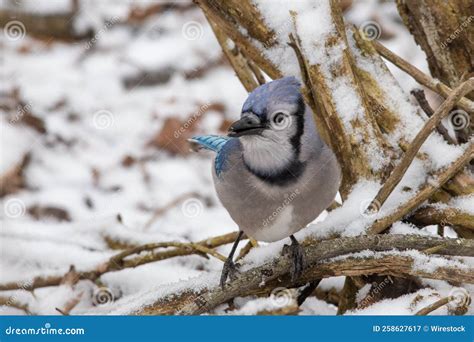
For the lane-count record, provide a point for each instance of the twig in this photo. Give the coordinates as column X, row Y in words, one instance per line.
column 419, row 94
column 436, row 305
column 420, row 138
column 208, row 251
column 11, row 302
column 118, row 262
column 246, row 249
column 426, row 191
column 70, row 305
column 257, row 72
column 421, row 77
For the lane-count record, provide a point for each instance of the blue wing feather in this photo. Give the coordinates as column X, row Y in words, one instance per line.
column 210, row 142
column 214, row 143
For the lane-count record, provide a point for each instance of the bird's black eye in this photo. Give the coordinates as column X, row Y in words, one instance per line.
column 279, row 118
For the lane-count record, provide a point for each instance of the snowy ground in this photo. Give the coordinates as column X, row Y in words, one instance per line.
column 104, row 141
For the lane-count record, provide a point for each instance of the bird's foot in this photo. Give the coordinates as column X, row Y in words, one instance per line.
column 296, row 254
column 229, row 270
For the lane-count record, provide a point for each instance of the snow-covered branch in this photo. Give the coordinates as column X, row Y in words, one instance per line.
column 363, row 255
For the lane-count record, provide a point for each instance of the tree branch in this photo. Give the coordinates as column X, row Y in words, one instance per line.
column 436, row 305
column 433, row 214
column 275, row 272
column 429, row 82
column 425, row 192
column 419, row 95
column 410, row 154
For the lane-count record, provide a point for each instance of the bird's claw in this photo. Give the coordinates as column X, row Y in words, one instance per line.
column 296, row 254
column 228, row 271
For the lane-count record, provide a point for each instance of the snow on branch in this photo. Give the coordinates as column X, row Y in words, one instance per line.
column 360, row 255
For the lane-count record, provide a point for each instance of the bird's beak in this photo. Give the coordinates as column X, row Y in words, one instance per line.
column 247, row 125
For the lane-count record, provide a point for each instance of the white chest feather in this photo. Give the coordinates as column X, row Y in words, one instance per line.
column 266, row 154
column 276, row 227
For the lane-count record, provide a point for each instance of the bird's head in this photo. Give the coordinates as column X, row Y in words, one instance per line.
column 271, row 111
column 271, row 125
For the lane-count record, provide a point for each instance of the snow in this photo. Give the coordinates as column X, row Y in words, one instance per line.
column 421, row 262
column 93, row 122
column 409, row 229
column 404, row 305
column 463, row 203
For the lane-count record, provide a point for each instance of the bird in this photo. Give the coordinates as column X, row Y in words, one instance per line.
column 273, row 172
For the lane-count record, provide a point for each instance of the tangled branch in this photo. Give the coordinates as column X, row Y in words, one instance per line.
column 323, row 261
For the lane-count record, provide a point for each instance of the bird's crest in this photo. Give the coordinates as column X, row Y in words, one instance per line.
column 286, row 89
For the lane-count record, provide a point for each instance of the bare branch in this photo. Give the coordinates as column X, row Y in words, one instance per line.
column 420, row 77
column 419, row 94
column 11, row 302
column 420, row 138
column 436, row 305
column 433, row 214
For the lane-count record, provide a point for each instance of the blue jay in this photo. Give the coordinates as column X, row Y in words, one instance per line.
column 273, row 172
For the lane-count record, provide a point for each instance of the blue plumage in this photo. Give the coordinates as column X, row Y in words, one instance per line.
column 284, row 89
column 214, row 143
column 210, row 142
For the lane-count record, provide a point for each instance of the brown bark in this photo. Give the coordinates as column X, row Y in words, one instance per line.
column 444, row 30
